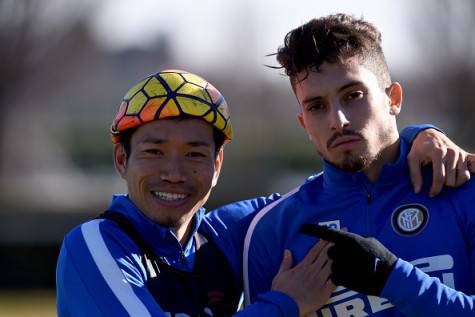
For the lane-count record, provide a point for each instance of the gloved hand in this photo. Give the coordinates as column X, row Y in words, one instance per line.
column 361, row 264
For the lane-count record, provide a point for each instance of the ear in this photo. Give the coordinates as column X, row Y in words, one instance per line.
column 120, row 160
column 301, row 121
column 217, row 166
column 394, row 93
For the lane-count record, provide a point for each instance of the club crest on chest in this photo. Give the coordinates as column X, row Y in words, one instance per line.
column 410, row 219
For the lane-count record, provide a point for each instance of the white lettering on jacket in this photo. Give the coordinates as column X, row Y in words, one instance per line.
column 348, row 303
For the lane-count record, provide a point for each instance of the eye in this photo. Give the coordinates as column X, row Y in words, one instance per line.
column 153, row 151
column 316, row 106
column 354, row 95
column 196, row 154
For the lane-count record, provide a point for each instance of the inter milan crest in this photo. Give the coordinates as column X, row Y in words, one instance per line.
column 409, row 220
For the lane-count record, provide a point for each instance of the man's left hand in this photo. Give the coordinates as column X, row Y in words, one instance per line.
column 451, row 165
column 360, row 264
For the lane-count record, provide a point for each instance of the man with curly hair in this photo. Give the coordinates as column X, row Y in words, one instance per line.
column 348, row 108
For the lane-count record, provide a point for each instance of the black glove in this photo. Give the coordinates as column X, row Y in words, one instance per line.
column 360, row 264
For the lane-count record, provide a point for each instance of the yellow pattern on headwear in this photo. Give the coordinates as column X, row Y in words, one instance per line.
column 172, row 93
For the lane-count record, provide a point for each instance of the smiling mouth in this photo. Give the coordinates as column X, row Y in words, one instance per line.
column 169, row 196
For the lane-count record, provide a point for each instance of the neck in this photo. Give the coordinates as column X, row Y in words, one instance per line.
column 388, row 155
column 183, row 231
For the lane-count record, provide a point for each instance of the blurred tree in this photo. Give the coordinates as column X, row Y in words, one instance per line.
column 446, row 33
column 29, row 30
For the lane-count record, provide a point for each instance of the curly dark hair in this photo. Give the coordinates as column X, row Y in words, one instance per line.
column 333, row 39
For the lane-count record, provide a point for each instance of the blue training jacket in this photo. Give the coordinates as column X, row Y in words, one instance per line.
column 100, row 272
column 434, row 236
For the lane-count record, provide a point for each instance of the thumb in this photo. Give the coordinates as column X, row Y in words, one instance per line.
column 286, row 263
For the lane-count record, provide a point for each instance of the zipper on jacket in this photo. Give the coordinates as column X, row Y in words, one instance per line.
column 370, row 198
column 182, row 256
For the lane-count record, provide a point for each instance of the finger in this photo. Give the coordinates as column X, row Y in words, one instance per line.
column 322, row 275
column 438, row 176
column 329, row 287
column 471, row 162
column 286, row 263
column 323, row 269
column 450, row 166
column 415, row 172
column 321, row 232
column 463, row 173
column 322, row 259
column 314, row 252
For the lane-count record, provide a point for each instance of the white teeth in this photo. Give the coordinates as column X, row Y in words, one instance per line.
column 169, row 196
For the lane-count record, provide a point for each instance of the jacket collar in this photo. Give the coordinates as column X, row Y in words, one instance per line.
column 337, row 180
column 164, row 240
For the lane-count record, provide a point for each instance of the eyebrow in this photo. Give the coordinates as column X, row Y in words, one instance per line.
column 164, row 141
column 154, row 141
column 349, row 85
column 310, row 99
column 198, row 143
column 342, row 88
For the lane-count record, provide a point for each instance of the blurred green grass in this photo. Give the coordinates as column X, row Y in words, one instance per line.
column 37, row 303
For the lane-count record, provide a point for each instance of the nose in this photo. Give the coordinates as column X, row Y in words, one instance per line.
column 172, row 171
column 338, row 119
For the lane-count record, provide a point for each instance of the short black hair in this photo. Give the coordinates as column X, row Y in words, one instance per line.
column 332, row 39
column 126, row 136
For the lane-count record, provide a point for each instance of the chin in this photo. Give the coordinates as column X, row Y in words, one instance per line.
column 170, row 222
column 165, row 221
column 353, row 162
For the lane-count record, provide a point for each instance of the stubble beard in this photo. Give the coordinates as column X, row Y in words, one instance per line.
column 355, row 162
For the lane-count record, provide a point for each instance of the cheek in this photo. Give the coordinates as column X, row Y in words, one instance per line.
column 316, row 133
column 321, row 147
column 315, row 124
column 203, row 174
column 140, row 174
column 137, row 183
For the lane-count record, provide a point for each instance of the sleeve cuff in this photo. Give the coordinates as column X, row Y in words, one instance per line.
column 409, row 133
column 401, row 270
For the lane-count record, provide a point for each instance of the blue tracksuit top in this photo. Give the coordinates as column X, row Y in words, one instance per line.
column 434, row 239
column 100, row 272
